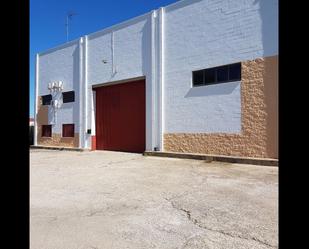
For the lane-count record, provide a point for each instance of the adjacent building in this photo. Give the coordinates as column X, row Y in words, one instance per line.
column 198, row 76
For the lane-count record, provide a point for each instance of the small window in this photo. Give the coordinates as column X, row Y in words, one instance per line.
column 68, row 97
column 46, row 130
column 68, row 130
column 217, row 75
column 46, row 99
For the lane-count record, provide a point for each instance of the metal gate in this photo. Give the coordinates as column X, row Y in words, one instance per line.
column 120, row 117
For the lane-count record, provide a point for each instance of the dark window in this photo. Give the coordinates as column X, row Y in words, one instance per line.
column 222, row 73
column 235, row 71
column 198, row 77
column 46, row 99
column 68, row 130
column 46, row 130
column 210, row 75
column 217, row 75
column 68, row 97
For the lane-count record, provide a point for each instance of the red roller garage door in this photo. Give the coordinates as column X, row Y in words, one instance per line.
column 120, row 117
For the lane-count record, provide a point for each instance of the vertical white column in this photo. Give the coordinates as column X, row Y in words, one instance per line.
column 153, row 80
column 81, row 94
column 86, row 92
column 155, row 91
column 93, row 113
column 161, row 79
column 150, row 87
column 36, row 93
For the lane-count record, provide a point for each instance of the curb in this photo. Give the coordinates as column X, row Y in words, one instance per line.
column 57, row 148
column 209, row 158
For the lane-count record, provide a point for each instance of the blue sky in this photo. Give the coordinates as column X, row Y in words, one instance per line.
column 47, row 22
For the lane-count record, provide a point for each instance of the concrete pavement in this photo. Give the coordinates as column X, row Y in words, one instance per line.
column 87, row 200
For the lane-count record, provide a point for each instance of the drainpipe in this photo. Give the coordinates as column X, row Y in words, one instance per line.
column 36, row 93
column 113, row 52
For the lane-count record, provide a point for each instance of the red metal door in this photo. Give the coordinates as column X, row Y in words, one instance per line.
column 120, row 117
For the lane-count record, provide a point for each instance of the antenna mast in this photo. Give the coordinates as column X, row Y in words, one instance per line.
column 68, row 17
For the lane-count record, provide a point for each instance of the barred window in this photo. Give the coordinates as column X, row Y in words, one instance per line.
column 217, row 75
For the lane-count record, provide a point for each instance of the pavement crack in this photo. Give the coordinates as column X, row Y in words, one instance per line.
column 106, row 165
column 187, row 212
column 94, row 213
column 52, row 219
column 197, row 223
column 188, row 239
column 123, row 161
column 233, row 235
column 177, row 196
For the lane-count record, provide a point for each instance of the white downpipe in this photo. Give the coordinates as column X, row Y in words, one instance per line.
column 81, row 121
column 36, row 93
column 113, row 52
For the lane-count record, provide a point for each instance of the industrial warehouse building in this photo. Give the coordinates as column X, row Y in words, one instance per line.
column 197, row 76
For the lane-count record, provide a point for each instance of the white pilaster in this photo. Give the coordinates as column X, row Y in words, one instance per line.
column 36, row 92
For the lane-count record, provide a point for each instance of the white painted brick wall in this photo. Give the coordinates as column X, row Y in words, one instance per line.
column 198, row 34
column 131, row 52
column 132, row 58
column 208, row 33
column 61, row 64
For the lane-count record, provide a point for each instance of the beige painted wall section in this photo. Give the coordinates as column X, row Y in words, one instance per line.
column 42, row 116
column 56, row 139
column 272, row 105
column 259, row 101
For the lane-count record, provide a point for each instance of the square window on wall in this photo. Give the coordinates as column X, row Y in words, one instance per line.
column 46, row 130
column 68, row 97
column 46, row 99
column 68, row 130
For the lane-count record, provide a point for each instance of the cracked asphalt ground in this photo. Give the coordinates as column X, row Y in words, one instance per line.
column 96, row 200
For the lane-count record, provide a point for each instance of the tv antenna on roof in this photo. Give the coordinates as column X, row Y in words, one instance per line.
column 69, row 17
